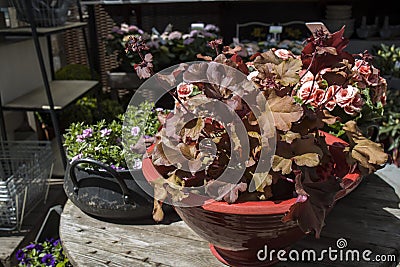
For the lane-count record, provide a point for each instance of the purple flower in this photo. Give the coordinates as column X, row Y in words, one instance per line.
column 133, row 28
column 105, row 132
column 52, row 240
column 174, row 35
column 211, row 27
column 55, row 242
column 117, row 168
column 80, row 138
column 208, row 34
column 30, row 246
column 87, row 133
column 188, row 41
column 38, row 247
column 49, row 260
column 20, row 255
column 77, row 157
column 115, row 29
column 194, row 33
column 135, row 130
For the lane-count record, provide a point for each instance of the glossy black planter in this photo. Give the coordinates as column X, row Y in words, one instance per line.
column 106, row 193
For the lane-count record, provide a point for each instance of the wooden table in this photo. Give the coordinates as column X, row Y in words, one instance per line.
column 368, row 218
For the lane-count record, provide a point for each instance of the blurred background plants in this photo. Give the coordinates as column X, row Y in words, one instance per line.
column 387, row 59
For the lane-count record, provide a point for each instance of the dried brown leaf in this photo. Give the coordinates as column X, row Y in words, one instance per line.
column 284, row 110
column 367, row 153
column 288, row 71
column 308, row 159
column 281, row 164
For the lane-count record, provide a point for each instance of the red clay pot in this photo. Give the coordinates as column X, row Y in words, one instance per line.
column 237, row 232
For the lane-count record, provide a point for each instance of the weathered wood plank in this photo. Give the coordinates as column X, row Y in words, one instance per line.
column 88, row 241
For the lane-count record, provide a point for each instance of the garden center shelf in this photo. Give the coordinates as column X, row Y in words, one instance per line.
column 42, row 31
column 63, row 93
column 53, row 95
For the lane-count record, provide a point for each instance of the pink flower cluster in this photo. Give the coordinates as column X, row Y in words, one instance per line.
column 316, row 92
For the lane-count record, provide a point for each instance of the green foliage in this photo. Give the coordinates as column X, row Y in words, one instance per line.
column 75, row 72
column 100, row 141
column 47, row 253
column 87, row 110
column 103, row 141
column 387, row 59
column 389, row 130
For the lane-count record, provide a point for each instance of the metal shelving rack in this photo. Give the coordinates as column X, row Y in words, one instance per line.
column 54, row 95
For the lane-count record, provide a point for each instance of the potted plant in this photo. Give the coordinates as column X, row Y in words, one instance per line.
column 123, row 76
column 245, row 157
column 97, row 179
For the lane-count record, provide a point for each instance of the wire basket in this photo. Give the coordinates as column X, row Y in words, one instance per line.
column 46, row 13
column 25, row 167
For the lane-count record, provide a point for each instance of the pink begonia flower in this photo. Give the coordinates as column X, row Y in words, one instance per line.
column 305, row 90
column 308, row 76
column 355, row 105
column 362, row 67
column 330, row 100
column 346, row 95
column 373, row 78
column 283, row 54
column 184, row 89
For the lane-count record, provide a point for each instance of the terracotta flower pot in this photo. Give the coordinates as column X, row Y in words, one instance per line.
column 237, row 232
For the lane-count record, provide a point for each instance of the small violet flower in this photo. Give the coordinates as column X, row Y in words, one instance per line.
column 30, row 246
column 77, row 157
column 49, row 260
column 80, row 138
column 20, row 255
column 104, row 132
column 87, row 133
column 135, row 131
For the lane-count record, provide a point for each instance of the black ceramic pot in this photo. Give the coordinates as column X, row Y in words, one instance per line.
column 105, row 193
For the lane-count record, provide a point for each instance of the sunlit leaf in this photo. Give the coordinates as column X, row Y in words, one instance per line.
column 281, row 164
column 284, row 110
column 308, row 159
column 288, row 71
